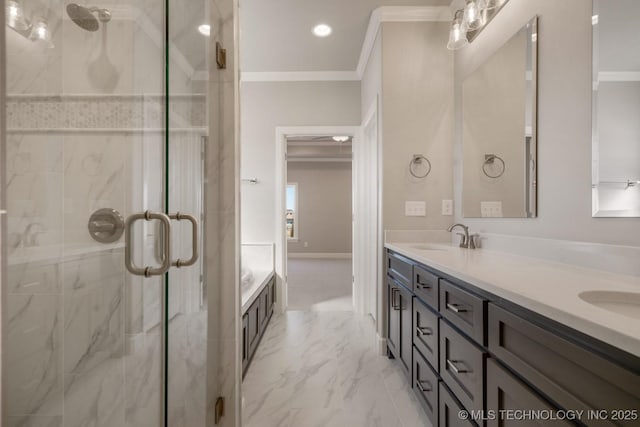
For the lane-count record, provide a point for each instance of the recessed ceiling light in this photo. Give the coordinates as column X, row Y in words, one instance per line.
column 322, row 30
column 205, row 29
column 340, row 138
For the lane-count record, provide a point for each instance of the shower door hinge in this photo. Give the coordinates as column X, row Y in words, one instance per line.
column 221, row 56
column 219, row 409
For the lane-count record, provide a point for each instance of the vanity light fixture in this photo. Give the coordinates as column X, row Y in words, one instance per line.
column 470, row 20
column 340, row 138
column 15, row 16
column 322, row 30
column 205, row 30
column 40, row 32
column 473, row 15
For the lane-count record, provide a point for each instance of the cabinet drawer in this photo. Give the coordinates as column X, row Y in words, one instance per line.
column 245, row 342
column 449, row 410
column 425, row 286
column 400, row 269
column 506, row 393
column 568, row 374
column 425, row 332
column 462, row 367
column 464, row 310
column 425, row 385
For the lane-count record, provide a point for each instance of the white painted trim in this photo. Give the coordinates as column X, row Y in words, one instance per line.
column 619, row 76
column 378, row 16
column 280, row 238
column 319, row 255
column 299, row 76
column 397, row 14
column 381, row 345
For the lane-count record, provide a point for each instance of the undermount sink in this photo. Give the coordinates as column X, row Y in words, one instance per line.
column 625, row 303
column 428, row 247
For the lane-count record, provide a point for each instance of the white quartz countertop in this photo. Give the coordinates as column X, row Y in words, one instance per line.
column 252, row 291
column 549, row 288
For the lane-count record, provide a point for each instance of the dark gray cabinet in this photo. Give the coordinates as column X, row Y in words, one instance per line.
column 399, row 324
column 425, row 332
column 462, row 367
column 450, row 411
column 569, row 374
column 506, row 393
column 482, row 354
column 425, row 385
column 254, row 323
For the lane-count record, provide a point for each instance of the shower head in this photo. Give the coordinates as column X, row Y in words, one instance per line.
column 84, row 16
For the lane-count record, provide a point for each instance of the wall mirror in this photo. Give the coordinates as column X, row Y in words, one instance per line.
column 499, row 131
column 615, row 177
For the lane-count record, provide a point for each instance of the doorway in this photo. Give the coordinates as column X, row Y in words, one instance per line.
column 319, row 213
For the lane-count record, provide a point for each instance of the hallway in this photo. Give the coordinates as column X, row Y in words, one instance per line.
column 322, row 369
column 319, row 284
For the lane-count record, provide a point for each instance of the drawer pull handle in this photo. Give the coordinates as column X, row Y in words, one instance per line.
column 452, row 365
column 423, row 388
column 394, row 305
column 456, row 308
column 423, row 286
column 423, row 331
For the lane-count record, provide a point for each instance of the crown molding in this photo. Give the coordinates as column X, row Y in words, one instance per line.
column 397, row 14
column 299, row 76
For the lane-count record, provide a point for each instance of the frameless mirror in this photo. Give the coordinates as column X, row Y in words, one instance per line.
column 499, row 131
column 615, row 177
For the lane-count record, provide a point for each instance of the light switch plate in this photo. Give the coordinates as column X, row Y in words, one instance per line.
column 415, row 208
column 447, row 207
column 491, row 209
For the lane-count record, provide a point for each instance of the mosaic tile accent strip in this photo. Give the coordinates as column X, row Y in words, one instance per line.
column 103, row 112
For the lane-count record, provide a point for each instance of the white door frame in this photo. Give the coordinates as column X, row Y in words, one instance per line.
column 282, row 133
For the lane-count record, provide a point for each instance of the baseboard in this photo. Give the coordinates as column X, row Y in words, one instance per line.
column 382, row 345
column 321, row 255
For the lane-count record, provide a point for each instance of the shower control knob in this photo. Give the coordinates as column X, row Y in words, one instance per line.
column 106, row 225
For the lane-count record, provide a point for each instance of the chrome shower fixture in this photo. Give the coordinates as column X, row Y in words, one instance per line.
column 84, row 16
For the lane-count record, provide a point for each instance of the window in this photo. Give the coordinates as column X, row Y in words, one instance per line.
column 292, row 212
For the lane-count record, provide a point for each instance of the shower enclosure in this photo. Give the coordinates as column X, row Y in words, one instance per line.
column 110, row 293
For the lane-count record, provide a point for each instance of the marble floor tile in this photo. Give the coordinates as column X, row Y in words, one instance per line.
column 321, row 369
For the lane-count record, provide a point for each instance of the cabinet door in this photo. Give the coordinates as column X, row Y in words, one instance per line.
column 393, row 318
column 450, row 411
column 245, row 342
column 254, row 326
column 406, row 329
column 506, row 393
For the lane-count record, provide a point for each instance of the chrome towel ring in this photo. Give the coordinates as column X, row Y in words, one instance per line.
column 489, row 159
column 417, row 160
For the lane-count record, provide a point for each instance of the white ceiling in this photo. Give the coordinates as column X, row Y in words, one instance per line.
column 275, row 35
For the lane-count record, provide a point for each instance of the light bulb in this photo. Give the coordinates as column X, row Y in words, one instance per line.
column 15, row 16
column 322, row 30
column 40, row 32
column 472, row 15
column 457, row 34
column 340, row 138
column 205, row 30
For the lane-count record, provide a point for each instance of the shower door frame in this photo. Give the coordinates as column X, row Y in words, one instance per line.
column 3, row 204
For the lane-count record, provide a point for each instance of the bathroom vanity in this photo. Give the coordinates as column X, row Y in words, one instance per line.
column 483, row 334
column 255, row 318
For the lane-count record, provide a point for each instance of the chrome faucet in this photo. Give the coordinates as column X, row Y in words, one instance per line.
column 466, row 241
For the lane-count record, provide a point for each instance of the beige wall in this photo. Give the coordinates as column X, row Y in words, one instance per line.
column 265, row 106
column 564, row 123
column 324, row 205
column 417, row 118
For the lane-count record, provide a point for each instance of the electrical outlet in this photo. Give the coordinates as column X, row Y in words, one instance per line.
column 306, row 244
column 491, row 209
column 415, row 208
column 447, row 207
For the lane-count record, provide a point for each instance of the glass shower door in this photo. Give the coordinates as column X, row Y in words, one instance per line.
column 86, row 149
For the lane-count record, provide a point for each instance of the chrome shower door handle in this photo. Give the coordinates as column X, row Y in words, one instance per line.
column 165, row 224
column 194, row 240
